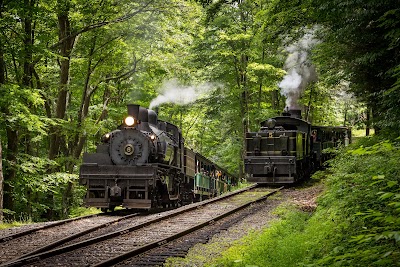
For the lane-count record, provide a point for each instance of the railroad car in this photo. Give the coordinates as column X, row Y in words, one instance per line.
column 287, row 148
column 324, row 137
column 144, row 164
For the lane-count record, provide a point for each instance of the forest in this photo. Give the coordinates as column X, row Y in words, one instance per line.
column 215, row 68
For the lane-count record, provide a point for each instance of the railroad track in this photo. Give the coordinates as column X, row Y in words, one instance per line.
column 15, row 232
column 47, row 236
column 122, row 244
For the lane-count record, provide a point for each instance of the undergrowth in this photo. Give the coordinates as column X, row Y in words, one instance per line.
column 82, row 211
column 356, row 222
column 6, row 225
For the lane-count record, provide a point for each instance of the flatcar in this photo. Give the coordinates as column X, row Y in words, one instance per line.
column 287, row 148
column 144, row 164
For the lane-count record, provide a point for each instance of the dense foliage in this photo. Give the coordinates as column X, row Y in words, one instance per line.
column 67, row 70
column 360, row 45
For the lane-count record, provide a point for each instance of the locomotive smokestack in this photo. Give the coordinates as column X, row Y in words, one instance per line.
column 286, row 112
column 295, row 113
column 133, row 110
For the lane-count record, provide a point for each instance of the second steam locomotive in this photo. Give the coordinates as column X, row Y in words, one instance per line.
column 144, row 164
column 287, row 149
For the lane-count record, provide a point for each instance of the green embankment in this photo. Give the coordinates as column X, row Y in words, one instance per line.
column 356, row 222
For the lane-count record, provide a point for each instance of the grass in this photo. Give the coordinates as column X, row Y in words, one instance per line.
column 82, row 211
column 6, row 225
column 286, row 242
column 240, row 185
column 76, row 212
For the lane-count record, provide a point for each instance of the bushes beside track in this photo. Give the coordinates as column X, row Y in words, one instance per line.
column 356, row 223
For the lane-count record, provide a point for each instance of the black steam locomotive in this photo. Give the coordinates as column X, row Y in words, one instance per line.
column 144, row 164
column 288, row 149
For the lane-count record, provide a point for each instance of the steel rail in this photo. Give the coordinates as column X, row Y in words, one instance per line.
column 50, row 225
column 74, row 236
column 161, row 242
column 56, row 251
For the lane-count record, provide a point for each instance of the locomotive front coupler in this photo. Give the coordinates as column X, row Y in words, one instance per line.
column 115, row 191
column 269, row 167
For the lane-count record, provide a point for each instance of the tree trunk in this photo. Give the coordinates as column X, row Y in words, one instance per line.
column 368, row 123
column 2, row 63
column 28, row 42
column 65, row 52
column 8, row 176
column 261, row 83
column 307, row 117
column 245, row 93
column 375, row 114
column 2, row 81
column 66, row 44
column 12, row 149
column 66, row 200
column 275, row 99
column 245, row 112
column 1, row 183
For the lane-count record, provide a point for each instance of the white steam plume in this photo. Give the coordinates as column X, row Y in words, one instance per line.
column 300, row 70
column 172, row 91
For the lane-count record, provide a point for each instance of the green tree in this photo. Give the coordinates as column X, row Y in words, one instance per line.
column 246, row 67
column 65, row 78
column 359, row 45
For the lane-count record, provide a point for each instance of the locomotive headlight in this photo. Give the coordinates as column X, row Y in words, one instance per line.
column 129, row 121
column 153, row 137
column 105, row 138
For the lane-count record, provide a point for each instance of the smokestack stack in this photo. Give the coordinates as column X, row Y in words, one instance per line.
column 295, row 113
column 286, row 112
column 133, row 110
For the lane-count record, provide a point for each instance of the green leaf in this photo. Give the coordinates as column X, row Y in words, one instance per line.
column 386, row 195
column 378, row 177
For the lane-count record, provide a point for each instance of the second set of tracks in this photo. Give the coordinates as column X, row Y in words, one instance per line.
column 115, row 239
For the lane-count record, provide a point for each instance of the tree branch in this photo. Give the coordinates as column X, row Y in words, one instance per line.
column 103, row 23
